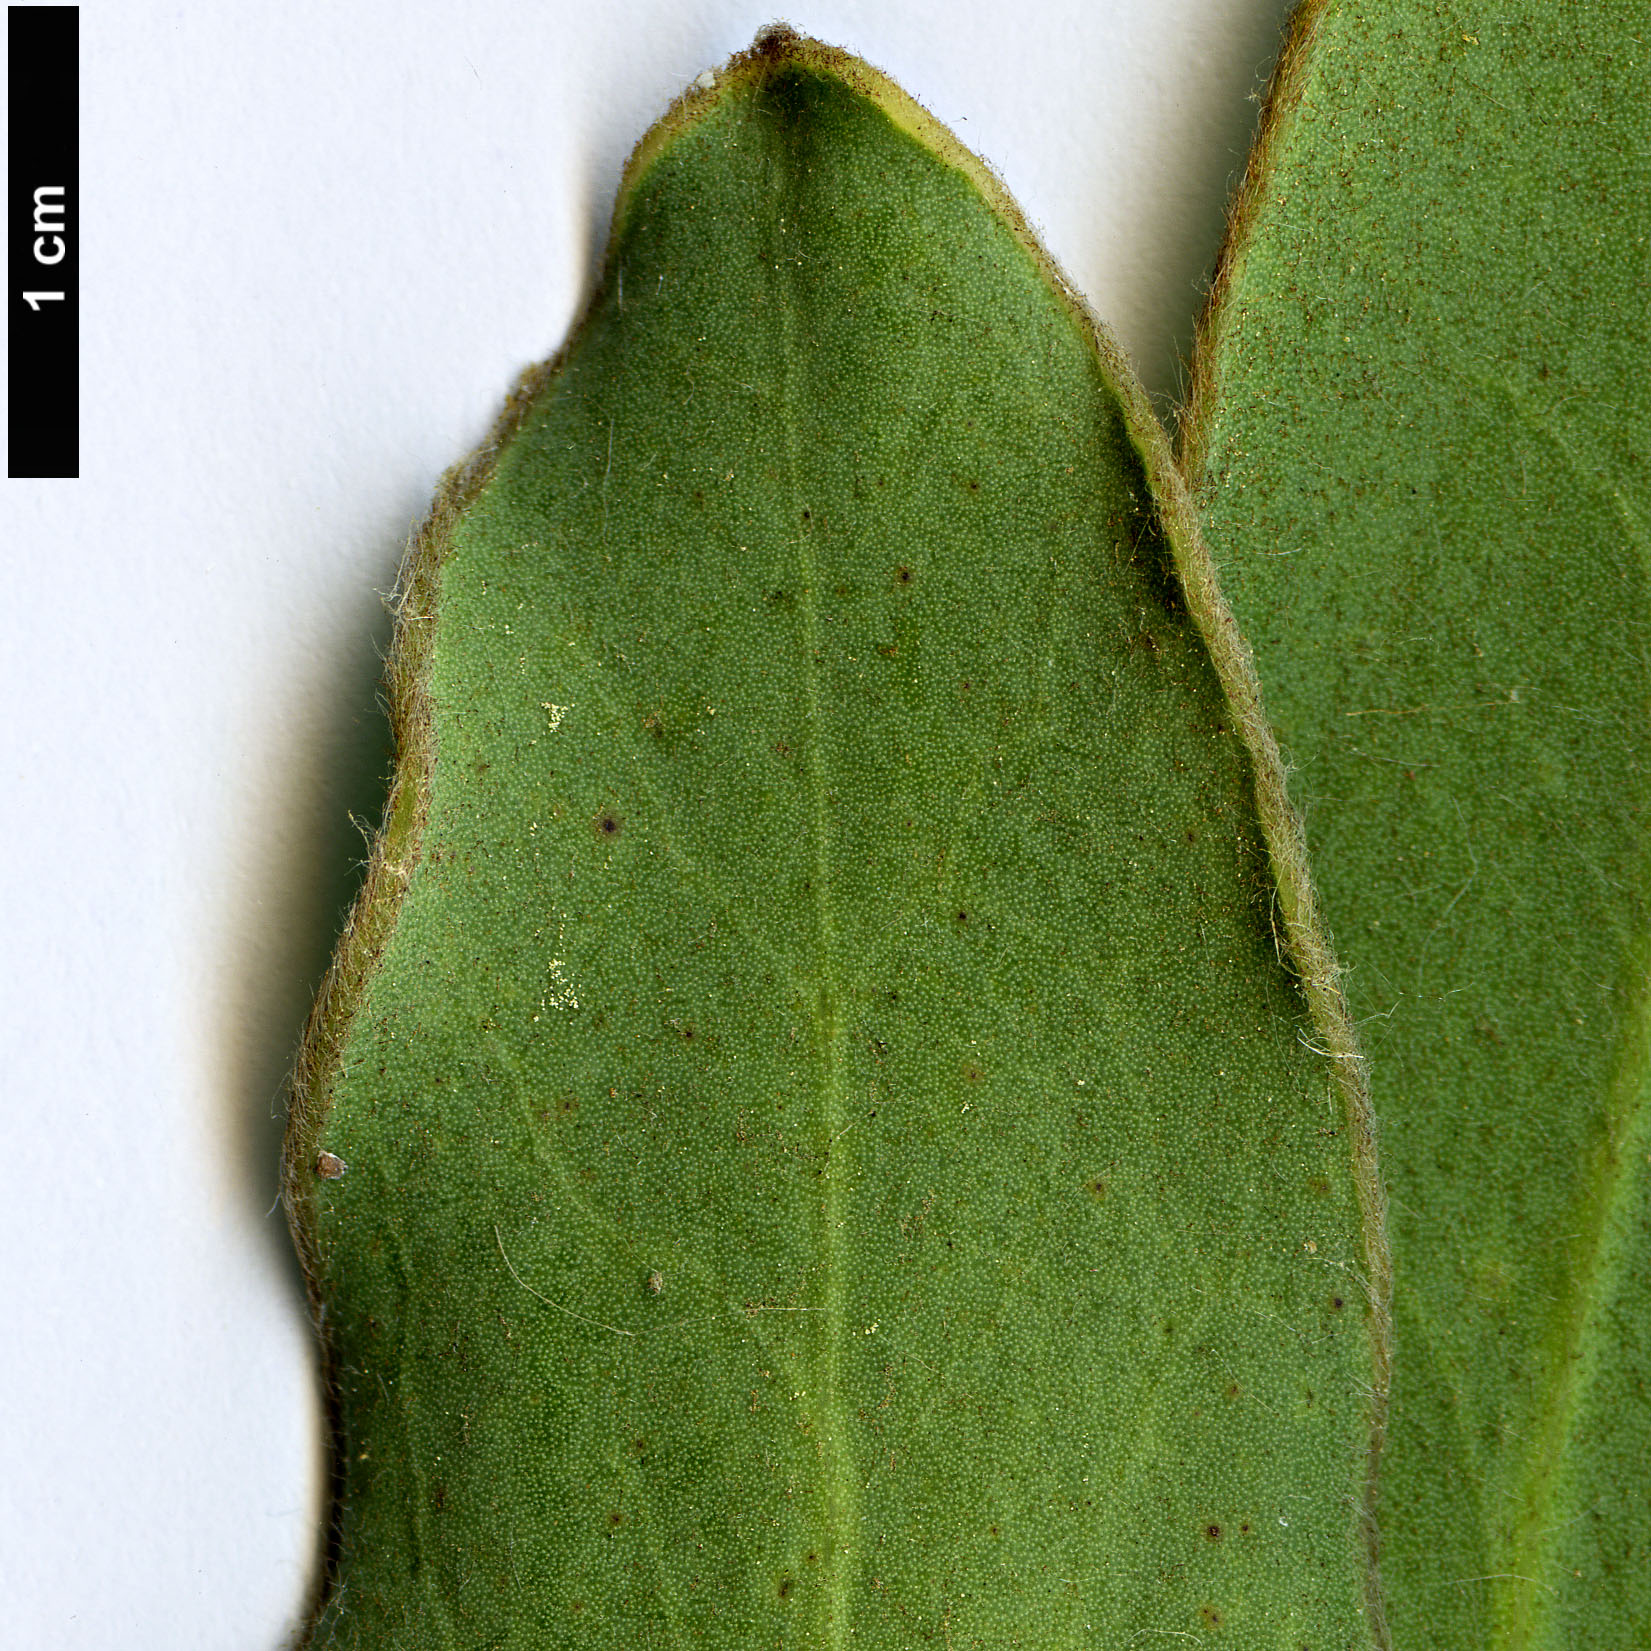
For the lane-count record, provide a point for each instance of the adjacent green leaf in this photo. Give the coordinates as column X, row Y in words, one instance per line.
column 809, row 1138
column 1421, row 441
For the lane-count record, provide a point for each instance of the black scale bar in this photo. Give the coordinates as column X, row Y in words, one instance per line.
column 43, row 241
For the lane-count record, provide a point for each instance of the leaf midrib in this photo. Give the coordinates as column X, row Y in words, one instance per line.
column 828, row 990
column 1610, row 1183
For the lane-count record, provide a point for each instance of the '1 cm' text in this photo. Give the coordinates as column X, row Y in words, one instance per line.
column 49, row 246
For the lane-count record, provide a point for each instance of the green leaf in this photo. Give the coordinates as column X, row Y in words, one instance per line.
column 811, row 1136
column 1420, row 439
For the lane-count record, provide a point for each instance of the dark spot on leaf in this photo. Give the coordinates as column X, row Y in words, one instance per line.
column 1337, row 1303
column 786, row 1585
column 813, row 1559
column 1098, row 1188
column 1319, row 1185
column 963, row 917
column 616, row 1518
column 577, row 1606
column 608, row 824
column 903, row 575
column 971, row 1072
column 438, row 1498
column 1209, row 1616
column 1233, row 1390
column 1244, row 1529
column 774, row 41
column 1213, row 1532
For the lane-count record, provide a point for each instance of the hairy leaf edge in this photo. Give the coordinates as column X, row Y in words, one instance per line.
column 1311, row 943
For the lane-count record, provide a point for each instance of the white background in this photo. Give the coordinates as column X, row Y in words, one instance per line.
column 318, row 242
